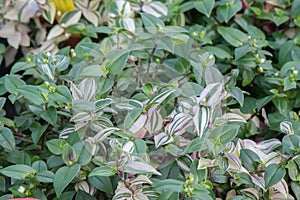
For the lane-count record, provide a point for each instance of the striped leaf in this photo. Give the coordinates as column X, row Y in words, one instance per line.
column 155, row 120
column 201, row 119
column 162, row 139
column 101, row 135
column 138, row 124
column 287, row 127
column 180, row 121
column 49, row 70
column 160, row 97
column 88, row 88
column 102, row 103
column 212, row 94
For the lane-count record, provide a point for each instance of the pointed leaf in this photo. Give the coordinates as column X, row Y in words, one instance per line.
column 63, row 177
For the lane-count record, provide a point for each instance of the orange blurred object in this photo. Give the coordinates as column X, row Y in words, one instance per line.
column 63, row 6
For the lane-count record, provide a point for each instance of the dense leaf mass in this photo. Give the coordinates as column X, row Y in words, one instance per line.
column 148, row 99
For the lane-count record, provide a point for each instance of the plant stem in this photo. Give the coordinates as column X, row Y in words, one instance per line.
column 150, row 60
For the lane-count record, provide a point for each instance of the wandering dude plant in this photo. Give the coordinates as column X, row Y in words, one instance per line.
column 143, row 100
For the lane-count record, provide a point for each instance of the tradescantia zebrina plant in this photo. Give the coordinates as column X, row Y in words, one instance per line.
column 155, row 111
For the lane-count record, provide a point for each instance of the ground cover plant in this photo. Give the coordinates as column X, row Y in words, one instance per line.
column 144, row 99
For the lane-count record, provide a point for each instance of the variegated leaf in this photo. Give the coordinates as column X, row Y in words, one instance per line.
column 162, row 139
column 201, row 119
column 66, row 132
column 141, row 179
column 287, row 127
column 258, row 181
column 212, row 94
column 160, row 97
column 282, row 187
column 101, row 135
column 180, row 122
column 88, row 88
column 102, row 103
column 137, row 167
column 268, row 145
column 138, row 124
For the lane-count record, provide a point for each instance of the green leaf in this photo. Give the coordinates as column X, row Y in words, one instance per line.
column 233, row 36
column 227, row 11
column 50, row 115
column 291, row 143
column 237, row 94
column 2, row 184
column 296, row 189
column 18, row 171
column 20, row 66
column 212, row 75
column 62, row 95
column 150, row 22
column 2, row 102
column 117, row 60
column 39, row 166
column 55, row 146
column 225, row 133
column 285, row 52
column 104, row 29
column 44, row 176
column 248, row 76
column 37, row 130
column 288, row 84
column 102, row 183
column 32, row 94
column 136, row 167
column 205, row 6
column 168, row 185
column 63, row 177
column 194, row 146
column 83, row 152
column 12, row 83
column 218, row 52
column 102, row 171
column 273, row 174
column 249, row 159
column 7, row 140
column 69, row 155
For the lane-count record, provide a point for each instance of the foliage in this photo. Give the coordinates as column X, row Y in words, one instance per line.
column 150, row 99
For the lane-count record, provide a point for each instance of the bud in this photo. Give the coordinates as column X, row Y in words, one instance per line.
column 48, row 54
column 45, row 61
column 260, row 69
column 67, row 35
column 195, row 33
column 58, row 13
column 202, row 34
column 240, row 44
column 47, row 83
column 52, row 89
column 262, row 60
column 295, row 72
column 249, row 37
column 21, row 189
column 210, row 57
column 28, row 60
